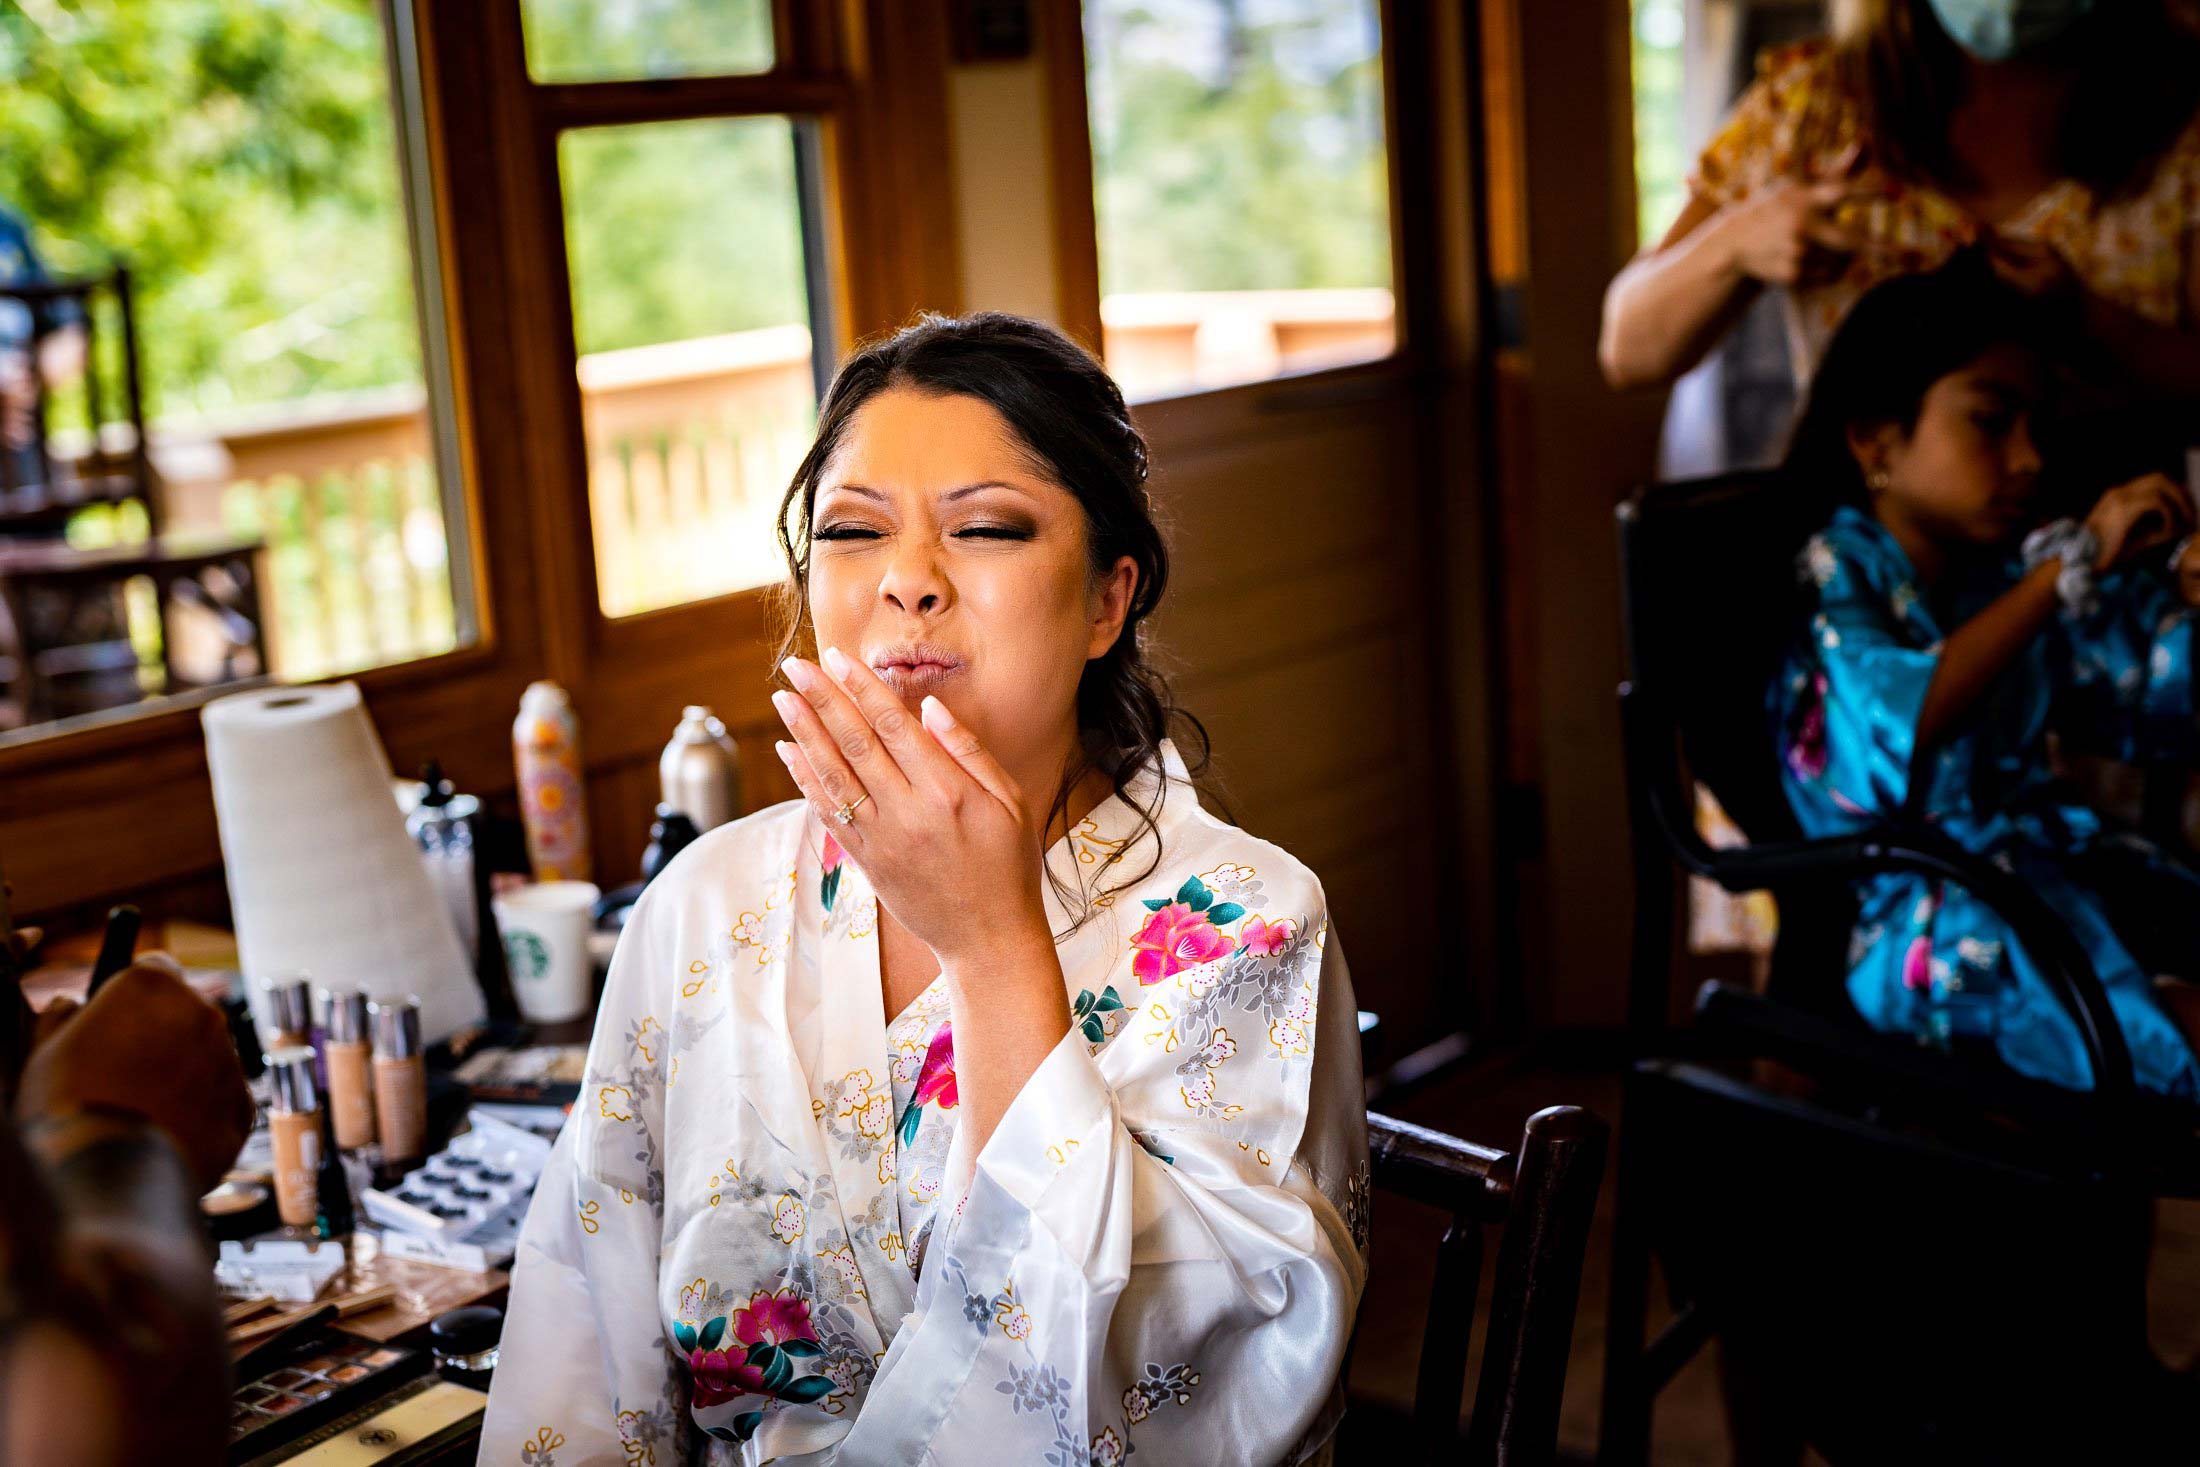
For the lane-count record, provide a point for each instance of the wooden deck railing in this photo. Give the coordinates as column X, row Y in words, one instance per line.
column 691, row 444
column 1166, row 342
column 690, row 448
column 343, row 491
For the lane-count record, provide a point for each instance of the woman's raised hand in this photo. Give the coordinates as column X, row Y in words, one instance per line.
column 942, row 833
column 1787, row 234
column 2145, row 514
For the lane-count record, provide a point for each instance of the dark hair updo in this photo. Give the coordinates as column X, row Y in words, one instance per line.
column 1069, row 417
column 1900, row 338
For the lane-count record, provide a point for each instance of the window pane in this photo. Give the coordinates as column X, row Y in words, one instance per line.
column 1241, row 185
column 1661, row 165
column 691, row 308
column 242, row 161
column 618, row 40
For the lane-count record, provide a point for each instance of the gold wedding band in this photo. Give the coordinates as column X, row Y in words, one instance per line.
column 846, row 814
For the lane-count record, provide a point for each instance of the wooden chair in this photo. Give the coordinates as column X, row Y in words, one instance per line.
column 64, row 646
column 39, row 488
column 1913, row 1252
column 1544, row 1196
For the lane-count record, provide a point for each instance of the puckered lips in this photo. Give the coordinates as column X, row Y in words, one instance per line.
column 914, row 669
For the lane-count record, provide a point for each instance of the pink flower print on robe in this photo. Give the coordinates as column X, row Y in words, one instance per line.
column 722, row 1368
column 1917, row 964
column 1806, row 750
column 935, row 1082
column 1265, row 939
column 1175, row 938
column 829, row 862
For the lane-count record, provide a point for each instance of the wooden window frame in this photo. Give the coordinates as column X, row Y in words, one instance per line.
column 124, row 806
column 1239, row 407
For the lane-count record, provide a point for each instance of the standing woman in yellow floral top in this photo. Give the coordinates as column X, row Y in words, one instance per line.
column 2060, row 134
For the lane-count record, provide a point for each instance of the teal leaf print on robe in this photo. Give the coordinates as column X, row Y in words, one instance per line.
column 1087, row 1014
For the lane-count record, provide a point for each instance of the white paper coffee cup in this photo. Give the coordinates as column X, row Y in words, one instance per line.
column 545, row 928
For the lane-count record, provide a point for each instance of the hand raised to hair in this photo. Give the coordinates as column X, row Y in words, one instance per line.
column 1791, row 234
column 1798, row 231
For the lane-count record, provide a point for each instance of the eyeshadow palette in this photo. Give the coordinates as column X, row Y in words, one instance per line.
column 422, row 1421
column 323, row 1378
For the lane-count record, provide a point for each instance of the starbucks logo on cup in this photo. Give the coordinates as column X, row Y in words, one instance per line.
column 527, row 955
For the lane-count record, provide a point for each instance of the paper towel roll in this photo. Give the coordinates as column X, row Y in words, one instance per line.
column 323, row 879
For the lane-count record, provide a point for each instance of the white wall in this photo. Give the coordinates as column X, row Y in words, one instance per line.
column 1004, row 188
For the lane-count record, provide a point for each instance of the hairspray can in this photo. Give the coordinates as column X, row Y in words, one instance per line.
column 553, row 803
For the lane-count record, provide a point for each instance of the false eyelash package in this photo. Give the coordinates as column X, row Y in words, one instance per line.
column 463, row 1206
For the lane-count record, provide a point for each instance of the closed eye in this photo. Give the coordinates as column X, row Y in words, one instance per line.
column 993, row 532
column 845, row 532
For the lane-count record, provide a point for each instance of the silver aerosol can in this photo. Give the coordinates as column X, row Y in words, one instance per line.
column 700, row 770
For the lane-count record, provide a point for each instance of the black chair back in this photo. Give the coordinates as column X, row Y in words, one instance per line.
column 1712, row 602
column 1545, row 1197
column 1708, row 571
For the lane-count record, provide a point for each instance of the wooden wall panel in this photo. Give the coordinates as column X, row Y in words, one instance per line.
column 1384, row 903
column 1309, row 717
column 1353, row 592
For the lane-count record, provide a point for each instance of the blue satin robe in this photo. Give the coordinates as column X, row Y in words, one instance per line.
column 1926, row 958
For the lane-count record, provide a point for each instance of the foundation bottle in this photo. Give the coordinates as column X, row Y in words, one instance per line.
column 294, row 1123
column 347, row 1051
column 400, row 1081
column 289, row 1012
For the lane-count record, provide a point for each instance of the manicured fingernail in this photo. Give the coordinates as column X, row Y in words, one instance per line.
column 785, row 751
column 798, row 672
column 785, row 702
column 932, row 707
column 836, row 664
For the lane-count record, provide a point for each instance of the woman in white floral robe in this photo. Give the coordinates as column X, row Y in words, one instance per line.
column 766, row 1232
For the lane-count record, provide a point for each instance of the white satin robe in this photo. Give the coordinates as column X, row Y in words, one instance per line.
column 745, row 1233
